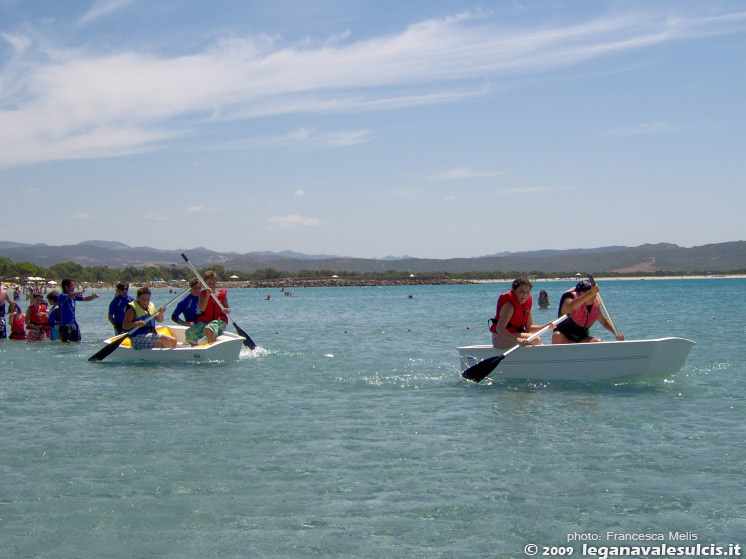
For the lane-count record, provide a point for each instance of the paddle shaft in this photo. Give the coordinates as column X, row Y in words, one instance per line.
column 479, row 371
column 249, row 342
column 536, row 334
column 606, row 312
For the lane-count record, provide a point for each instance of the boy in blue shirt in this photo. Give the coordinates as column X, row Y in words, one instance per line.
column 69, row 329
column 118, row 306
column 53, row 316
column 188, row 306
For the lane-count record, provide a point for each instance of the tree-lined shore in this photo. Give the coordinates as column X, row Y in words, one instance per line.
column 26, row 272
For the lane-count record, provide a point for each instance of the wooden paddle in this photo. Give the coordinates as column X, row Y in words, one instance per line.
column 248, row 342
column 486, row 366
column 109, row 348
column 606, row 312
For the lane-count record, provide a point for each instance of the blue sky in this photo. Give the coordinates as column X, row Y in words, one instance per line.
column 433, row 128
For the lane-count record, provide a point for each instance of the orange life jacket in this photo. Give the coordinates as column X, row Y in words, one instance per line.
column 212, row 311
column 517, row 322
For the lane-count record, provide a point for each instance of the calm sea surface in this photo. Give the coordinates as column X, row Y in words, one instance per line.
column 350, row 434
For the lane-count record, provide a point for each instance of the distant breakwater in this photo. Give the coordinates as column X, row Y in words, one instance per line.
column 342, row 282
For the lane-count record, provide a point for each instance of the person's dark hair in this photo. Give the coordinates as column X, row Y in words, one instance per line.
column 521, row 281
column 143, row 291
column 583, row 285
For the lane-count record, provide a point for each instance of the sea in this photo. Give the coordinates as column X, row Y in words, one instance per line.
column 349, row 434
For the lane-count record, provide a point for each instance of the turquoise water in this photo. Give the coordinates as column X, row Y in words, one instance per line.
column 350, row 434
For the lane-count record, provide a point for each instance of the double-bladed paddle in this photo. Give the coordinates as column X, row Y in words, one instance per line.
column 109, row 348
column 486, row 366
column 248, row 342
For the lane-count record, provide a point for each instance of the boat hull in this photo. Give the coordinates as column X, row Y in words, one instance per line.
column 585, row 362
column 226, row 348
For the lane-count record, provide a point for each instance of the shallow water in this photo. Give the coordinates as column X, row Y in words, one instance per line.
column 350, row 434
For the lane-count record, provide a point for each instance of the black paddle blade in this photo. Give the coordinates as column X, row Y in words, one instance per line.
column 248, row 342
column 108, row 349
column 483, row 368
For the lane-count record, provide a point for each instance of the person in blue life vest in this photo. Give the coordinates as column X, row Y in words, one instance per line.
column 585, row 309
column 68, row 325
column 188, row 306
column 53, row 316
column 119, row 305
column 146, row 337
column 513, row 323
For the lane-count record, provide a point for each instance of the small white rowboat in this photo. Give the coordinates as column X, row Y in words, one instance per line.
column 226, row 348
column 594, row 361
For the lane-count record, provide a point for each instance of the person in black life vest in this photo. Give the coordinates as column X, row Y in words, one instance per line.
column 585, row 308
column 513, row 323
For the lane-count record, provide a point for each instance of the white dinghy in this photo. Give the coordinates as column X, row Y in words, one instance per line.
column 226, row 348
column 582, row 362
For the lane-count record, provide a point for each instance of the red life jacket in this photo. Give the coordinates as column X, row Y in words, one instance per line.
column 582, row 316
column 517, row 322
column 35, row 319
column 213, row 312
column 18, row 327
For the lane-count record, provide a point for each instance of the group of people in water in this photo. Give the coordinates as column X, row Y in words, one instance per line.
column 204, row 312
column 55, row 319
column 513, row 323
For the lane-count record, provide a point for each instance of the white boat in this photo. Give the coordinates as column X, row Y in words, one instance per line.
column 226, row 348
column 584, row 362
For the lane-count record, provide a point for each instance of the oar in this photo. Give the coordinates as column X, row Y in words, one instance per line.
column 109, row 348
column 606, row 312
column 248, row 342
column 486, row 366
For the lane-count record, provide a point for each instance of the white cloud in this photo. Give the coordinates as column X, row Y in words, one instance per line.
column 71, row 104
column 299, row 139
column 19, row 42
column 102, row 8
column 646, row 129
column 531, row 190
column 82, row 216
column 154, row 217
column 299, row 193
column 465, row 173
column 192, row 209
column 293, row 221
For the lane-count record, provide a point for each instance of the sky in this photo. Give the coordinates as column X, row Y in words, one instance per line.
column 427, row 128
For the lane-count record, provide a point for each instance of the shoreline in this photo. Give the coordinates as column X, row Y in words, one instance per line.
column 636, row 278
column 353, row 281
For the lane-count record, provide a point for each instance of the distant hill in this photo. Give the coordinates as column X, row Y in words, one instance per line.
column 647, row 258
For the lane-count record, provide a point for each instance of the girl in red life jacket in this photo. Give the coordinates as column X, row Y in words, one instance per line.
column 584, row 308
column 16, row 320
column 513, row 323
column 36, row 319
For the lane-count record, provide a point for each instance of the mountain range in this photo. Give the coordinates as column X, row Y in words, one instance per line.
column 719, row 257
